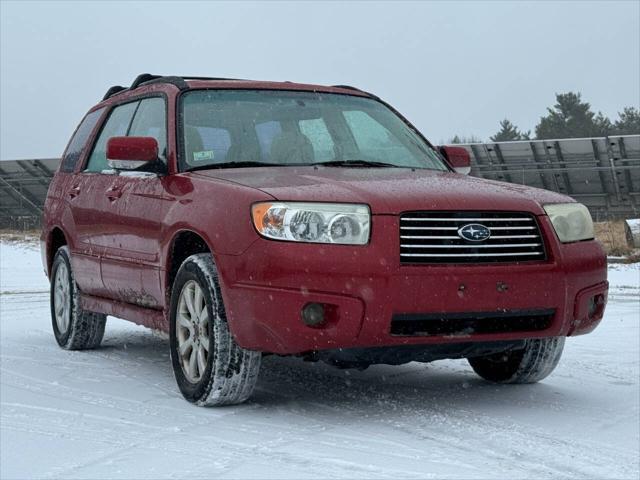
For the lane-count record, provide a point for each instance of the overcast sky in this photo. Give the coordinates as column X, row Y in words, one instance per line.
column 450, row 67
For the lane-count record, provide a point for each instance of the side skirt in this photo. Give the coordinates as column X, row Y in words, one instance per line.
column 142, row 316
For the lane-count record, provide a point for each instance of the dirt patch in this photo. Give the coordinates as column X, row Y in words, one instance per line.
column 613, row 237
column 633, row 258
column 29, row 237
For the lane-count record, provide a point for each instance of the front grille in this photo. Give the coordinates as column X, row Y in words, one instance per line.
column 432, row 237
column 471, row 323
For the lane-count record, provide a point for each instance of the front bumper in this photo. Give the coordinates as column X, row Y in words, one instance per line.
column 266, row 288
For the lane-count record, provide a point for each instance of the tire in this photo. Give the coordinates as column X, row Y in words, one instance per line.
column 223, row 374
column 531, row 364
column 73, row 327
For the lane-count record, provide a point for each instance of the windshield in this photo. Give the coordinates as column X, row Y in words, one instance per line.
column 249, row 127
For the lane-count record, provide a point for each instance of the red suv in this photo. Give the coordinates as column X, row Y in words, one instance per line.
column 248, row 218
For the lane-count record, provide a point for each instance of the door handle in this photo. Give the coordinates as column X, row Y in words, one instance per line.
column 74, row 191
column 114, row 193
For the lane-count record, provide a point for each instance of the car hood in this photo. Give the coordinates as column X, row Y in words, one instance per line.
column 389, row 190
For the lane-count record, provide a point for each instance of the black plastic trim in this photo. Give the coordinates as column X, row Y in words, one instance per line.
column 471, row 323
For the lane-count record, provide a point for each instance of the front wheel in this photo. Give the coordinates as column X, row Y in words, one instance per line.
column 535, row 361
column 211, row 369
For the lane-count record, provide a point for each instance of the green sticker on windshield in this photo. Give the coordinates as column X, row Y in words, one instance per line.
column 202, row 156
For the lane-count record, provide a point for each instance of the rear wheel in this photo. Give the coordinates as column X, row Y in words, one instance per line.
column 211, row 369
column 535, row 361
column 73, row 327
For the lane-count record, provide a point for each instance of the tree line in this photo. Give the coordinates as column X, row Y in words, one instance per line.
column 570, row 117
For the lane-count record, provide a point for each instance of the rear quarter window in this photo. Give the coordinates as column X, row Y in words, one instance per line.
column 78, row 142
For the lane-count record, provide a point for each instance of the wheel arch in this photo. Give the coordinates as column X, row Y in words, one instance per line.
column 184, row 243
column 56, row 238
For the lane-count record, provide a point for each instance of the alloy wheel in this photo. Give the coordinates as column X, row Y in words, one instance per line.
column 193, row 331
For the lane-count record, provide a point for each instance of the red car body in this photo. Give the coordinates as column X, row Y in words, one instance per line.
column 128, row 233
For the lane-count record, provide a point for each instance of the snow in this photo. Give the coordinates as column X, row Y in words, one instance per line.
column 116, row 412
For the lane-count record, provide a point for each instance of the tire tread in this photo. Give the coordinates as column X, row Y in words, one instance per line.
column 235, row 370
column 86, row 328
column 538, row 359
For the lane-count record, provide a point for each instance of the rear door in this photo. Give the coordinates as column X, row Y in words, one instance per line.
column 70, row 192
column 133, row 228
column 92, row 210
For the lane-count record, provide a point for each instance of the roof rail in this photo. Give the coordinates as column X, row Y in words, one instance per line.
column 212, row 78
column 113, row 90
column 142, row 78
column 148, row 78
column 177, row 81
column 348, row 87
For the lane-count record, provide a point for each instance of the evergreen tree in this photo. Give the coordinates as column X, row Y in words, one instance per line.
column 572, row 118
column 603, row 125
column 628, row 123
column 509, row 132
column 463, row 139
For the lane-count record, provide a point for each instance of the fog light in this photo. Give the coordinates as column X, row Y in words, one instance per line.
column 595, row 305
column 313, row 314
column 592, row 307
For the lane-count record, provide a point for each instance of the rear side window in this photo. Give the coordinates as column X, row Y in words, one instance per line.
column 217, row 140
column 266, row 132
column 316, row 131
column 79, row 141
column 116, row 126
column 150, row 121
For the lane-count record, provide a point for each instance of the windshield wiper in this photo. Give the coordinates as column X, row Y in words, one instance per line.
column 242, row 164
column 357, row 163
column 333, row 163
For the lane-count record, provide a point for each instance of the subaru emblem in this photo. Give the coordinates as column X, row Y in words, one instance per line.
column 474, row 232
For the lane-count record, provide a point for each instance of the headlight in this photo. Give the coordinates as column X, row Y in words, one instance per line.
column 313, row 222
column 571, row 221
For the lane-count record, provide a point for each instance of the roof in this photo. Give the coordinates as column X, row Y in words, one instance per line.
column 189, row 82
column 267, row 85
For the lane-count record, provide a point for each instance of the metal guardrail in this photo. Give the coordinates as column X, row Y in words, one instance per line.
column 603, row 173
column 23, row 189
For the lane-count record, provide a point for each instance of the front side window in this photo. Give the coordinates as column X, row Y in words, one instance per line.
column 116, row 126
column 296, row 128
column 79, row 141
column 150, row 121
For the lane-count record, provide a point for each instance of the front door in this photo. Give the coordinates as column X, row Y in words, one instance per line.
column 133, row 228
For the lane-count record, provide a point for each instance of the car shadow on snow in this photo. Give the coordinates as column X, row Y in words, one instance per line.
column 417, row 386
column 291, row 382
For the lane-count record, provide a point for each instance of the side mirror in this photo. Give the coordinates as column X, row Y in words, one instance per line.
column 458, row 158
column 129, row 153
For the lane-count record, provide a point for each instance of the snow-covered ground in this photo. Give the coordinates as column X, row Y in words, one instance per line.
column 116, row 412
